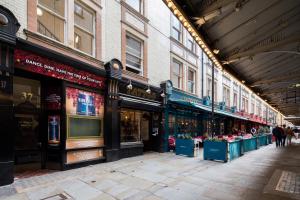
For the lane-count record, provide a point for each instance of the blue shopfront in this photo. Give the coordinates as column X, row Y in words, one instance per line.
column 187, row 116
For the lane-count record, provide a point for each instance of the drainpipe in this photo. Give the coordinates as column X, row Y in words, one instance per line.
column 213, row 101
column 202, row 75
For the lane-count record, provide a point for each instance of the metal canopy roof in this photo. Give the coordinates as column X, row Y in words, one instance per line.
column 258, row 41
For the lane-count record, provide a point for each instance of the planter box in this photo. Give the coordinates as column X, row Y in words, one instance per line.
column 235, row 149
column 250, row 144
column 262, row 140
column 185, row 147
column 215, row 150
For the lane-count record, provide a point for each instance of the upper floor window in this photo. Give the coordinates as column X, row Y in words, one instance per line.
column 190, row 43
column 176, row 29
column 134, row 55
column 245, row 104
column 176, row 74
column 252, row 107
column 226, row 95
column 84, row 28
column 235, row 98
column 136, row 4
column 51, row 19
column 208, row 86
column 191, row 81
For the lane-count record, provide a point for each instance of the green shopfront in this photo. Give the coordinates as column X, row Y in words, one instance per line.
column 188, row 115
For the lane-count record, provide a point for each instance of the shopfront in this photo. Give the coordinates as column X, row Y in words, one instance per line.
column 140, row 108
column 59, row 106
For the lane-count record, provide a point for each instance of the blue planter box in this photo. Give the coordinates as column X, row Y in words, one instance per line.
column 185, row 147
column 215, row 150
column 235, row 149
column 262, row 140
column 250, row 144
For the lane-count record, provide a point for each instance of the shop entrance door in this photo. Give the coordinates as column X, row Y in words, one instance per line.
column 28, row 141
column 149, row 132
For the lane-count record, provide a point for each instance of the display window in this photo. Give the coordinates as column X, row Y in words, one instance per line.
column 134, row 125
column 85, row 111
column 187, row 125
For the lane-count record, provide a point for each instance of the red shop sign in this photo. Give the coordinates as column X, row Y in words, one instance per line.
column 41, row 65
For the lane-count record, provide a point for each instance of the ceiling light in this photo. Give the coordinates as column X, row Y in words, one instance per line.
column 297, row 85
column 185, row 24
column 180, row 17
column 243, row 81
column 39, row 12
column 170, row 4
column 216, row 51
column 175, row 12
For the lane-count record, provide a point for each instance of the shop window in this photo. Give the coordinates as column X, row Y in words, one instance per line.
column 176, row 29
column 176, row 74
column 134, row 125
column 51, row 19
column 85, row 112
column 84, row 28
column 172, row 125
column 191, row 81
column 187, row 125
column 134, row 55
column 136, row 5
column 226, row 95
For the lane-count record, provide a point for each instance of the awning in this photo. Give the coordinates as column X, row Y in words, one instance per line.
column 206, row 108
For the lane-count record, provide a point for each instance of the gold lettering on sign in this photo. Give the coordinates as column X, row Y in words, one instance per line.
column 141, row 93
column 83, row 155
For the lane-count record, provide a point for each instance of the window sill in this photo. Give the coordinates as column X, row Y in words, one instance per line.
column 133, row 11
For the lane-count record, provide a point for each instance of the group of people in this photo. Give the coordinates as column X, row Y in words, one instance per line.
column 283, row 135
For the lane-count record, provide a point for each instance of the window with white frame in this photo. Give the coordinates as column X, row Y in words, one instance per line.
column 176, row 73
column 176, row 29
column 191, row 81
column 215, row 91
column 245, row 104
column 51, row 19
column 134, row 55
column 190, row 43
column 226, row 95
column 235, row 98
column 208, row 86
column 252, row 107
column 136, row 5
column 84, row 28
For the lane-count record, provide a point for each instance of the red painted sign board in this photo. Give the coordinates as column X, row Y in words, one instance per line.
column 38, row 64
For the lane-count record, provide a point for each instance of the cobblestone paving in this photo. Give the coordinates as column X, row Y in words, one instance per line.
column 289, row 182
column 156, row 176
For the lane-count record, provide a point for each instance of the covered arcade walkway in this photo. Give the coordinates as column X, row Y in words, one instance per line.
column 269, row 173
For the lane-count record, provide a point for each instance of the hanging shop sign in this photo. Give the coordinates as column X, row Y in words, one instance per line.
column 34, row 63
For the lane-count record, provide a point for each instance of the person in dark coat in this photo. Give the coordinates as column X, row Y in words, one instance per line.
column 277, row 134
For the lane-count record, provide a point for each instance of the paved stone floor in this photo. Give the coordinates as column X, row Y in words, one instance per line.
column 268, row 173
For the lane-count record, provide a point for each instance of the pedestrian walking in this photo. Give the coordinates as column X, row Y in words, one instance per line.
column 290, row 134
column 284, row 134
column 277, row 134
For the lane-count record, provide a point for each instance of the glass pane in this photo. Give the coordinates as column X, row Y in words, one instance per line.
column 191, row 75
column 191, row 87
column 50, row 25
column 26, row 92
column 133, row 61
column 83, row 18
column 176, row 34
column 136, row 4
column 83, row 41
column 133, row 46
column 176, row 23
column 176, row 81
column 57, row 6
column 132, row 123
column 176, row 68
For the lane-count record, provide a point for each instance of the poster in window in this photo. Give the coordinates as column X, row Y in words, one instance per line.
column 84, row 103
column 53, row 98
column 54, row 129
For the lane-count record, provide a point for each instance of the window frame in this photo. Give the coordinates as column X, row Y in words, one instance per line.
column 64, row 18
column 141, row 2
column 141, row 70
column 194, row 80
column 180, row 75
column 83, row 29
column 226, row 95
column 175, row 28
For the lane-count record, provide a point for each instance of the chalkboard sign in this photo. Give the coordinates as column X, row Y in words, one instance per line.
column 84, row 127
